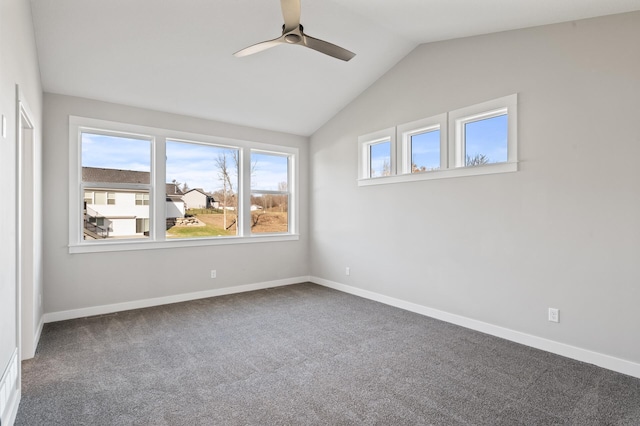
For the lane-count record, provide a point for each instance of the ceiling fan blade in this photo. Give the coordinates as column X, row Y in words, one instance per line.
column 259, row 47
column 291, row 14
column 327, row 48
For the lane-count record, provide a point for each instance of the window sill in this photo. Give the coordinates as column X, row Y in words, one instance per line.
column 128, row 245
column 442, row 174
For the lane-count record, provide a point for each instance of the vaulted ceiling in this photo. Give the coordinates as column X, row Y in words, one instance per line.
column 176, row 55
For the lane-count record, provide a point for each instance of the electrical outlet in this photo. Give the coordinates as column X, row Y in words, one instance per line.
column 213, row 273
column 554, row 315
column 347, row 271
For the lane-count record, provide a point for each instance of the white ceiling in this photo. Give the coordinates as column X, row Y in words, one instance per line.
column 176, row 55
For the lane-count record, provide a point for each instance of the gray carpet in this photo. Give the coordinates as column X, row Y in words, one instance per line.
column 300, row 355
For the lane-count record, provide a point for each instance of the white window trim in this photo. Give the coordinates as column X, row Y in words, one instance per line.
column 364, row 144
column 291, row 182
column 157, row 204
column 496, row 107
column 407, row 130
column 451, row 141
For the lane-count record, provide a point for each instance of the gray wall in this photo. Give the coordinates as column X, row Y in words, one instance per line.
column 562, row 232
column 76, row 281
column 18, row 65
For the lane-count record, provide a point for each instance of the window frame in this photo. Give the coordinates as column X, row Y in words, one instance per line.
column 276, row 192
column 156, row 188
column 365, row 143
column 407, row 130
column 451, row 126
column 485, row 110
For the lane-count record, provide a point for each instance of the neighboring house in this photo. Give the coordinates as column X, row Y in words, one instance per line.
column 175, row 203
column 116, row 212
column 199, row 199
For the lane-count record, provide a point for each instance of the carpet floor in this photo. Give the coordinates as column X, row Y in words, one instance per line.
column 305, row 355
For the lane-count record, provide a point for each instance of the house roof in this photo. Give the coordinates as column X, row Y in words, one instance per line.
column 200, row 190
column 173, row 189
column 97, row 174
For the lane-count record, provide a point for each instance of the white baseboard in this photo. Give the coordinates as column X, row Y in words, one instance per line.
column 10, row 391
column 602, row 360
column 157, row 301
column 605, row 361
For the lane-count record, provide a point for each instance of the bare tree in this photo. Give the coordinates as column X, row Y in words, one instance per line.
column 386, row 168
column 476, row 160
column 180, row 186
column 283, row 200
column 224, row 174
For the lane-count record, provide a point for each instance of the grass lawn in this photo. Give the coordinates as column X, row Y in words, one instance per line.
column 197, row 231
column 213, row 228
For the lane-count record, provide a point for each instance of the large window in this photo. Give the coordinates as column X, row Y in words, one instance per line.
column 475, row 140
column 206, row 176
column 270, row 194
column 137, row 187
column 114, row 165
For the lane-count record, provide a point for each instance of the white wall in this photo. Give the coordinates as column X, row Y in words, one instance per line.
column 122, row 215
column 175, row 209
column 195, row 200
column 18, row 65
column 77, row 281
column 562, row 232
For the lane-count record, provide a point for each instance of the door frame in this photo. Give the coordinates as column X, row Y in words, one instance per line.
column 26, row 276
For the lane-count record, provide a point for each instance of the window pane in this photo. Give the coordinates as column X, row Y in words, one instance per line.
column 201, row 190
column 115, row 159
column 117, row 220
column 115, row 212
column 269, row 172
column 142, row 199
column 100, row 198
column 380, row 159
column 425, row 151
column 486, row 141
column 269, row 213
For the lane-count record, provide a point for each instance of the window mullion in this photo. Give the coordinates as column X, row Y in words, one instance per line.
column 244, row 192
column 445, row 153
column 158, row 224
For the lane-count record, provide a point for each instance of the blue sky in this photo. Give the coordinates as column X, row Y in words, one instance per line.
column 380, row 153
column 425, row 150
column 194, row 164
column 268, row 171
column 488, row 137
column 112, row 152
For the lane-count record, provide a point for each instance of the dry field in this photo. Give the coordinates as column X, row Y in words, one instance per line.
column 264, row 222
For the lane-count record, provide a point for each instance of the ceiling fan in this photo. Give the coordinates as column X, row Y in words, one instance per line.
column 292, row 33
